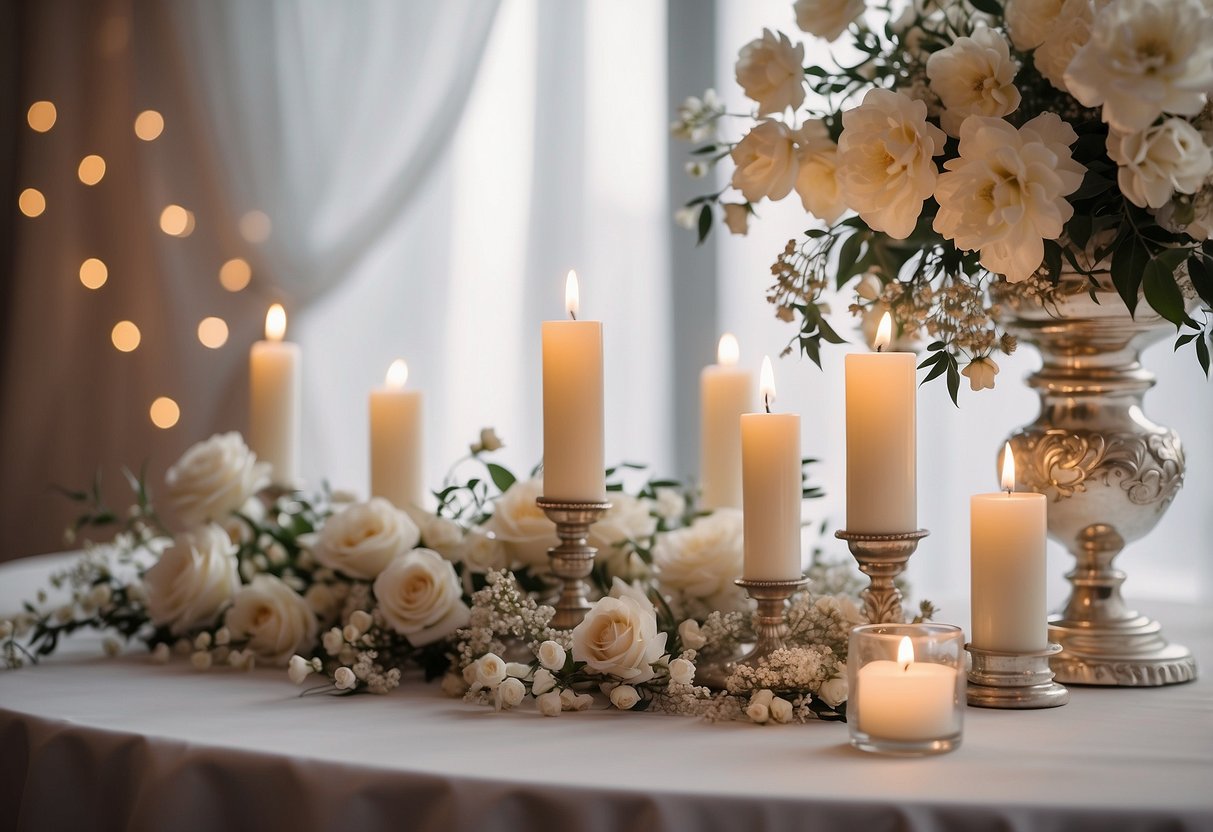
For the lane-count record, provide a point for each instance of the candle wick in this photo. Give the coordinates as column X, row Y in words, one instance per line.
column 880, row 348
column 766, row 400
column 572, row 314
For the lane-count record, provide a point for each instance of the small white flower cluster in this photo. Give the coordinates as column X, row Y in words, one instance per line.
column 501, row 610
column 210, row 649
column 697, row 117
column 803, row 669
column 355, row 655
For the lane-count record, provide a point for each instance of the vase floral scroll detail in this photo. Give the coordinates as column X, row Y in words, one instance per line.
column 1060, row 463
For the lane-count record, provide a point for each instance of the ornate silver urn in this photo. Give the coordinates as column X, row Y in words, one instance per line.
column 1108, row 471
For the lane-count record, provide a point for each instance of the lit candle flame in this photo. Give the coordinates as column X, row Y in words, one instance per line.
column 727, row 351
column 572, row 296
column 767, row 383
column 905, row 653
column 884, row 333
column 275, row 323
column 397, row 374
column 1008, row 469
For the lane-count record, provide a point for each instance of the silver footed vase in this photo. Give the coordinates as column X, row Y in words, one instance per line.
column 1108, row 471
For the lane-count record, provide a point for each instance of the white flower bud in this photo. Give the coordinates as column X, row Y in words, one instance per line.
column 696, row 170
column 201, row 660
column 624, row 697
column 757, row 712
column 65, row 613
column 203, row 641
column 111, row 646
column 549, row 704
column 490, row 671
column 543, row 681
column 6, row 629
column 299, row 669
column 518, row 670
column 351, row 633
column 344, row 679
column 690, row 635
column 333, row 641
column 362, row 620
column 101, row 595
column 761, row 697
column 161, row 653
column 582, row 702
column 223, row 636
column 510, row 693
column 568, row 698
column 454, row 685
column 781, row 710
column 489, row 441
column 682, row 672
column 551, row 655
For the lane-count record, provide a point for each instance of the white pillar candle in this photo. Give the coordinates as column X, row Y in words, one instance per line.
column 397, row 427
column 573, row 454
column 274, row 400
column 881, row 467
column 1008, row 534
column 725, row 392
column 771, row 486
column 906, row 700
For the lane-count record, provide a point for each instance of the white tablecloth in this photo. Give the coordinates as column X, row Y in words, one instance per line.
column 93, row 743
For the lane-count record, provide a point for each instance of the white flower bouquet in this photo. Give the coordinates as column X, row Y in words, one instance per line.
column 970, row 141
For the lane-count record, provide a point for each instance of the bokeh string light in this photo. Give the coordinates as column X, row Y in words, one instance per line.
column 91, row 170
column 41, row 116
column 164, row 413
column 125, row 336
column 31, row 202
column 212, row 332
column 149, row 125
column 235, row 274
column 93, row 273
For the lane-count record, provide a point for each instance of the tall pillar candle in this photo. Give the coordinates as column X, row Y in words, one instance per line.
column 573, row 436
column 726, row 391
column 274, row 400
column 1008, row 533
column 881, row 435
column 771, row 487
column 397, row 427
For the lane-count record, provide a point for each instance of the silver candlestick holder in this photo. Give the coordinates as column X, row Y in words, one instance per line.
column 770, row 628
column 999, row 679
column 882, row 557
column 573, row 560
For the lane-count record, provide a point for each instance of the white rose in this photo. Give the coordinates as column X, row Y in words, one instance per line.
column 670, row 505
column 757, row 712
column 682, row 672
column 543, row 681
column 442, row 535
column 619, row 637
column 551, row 655
column 192, row 580
column 624, row 697
column 737, row 218
column 826, row 18
column 522, row 526
column 481, row 551
column 214, row 478
column 510, row 693
column 420, row 597
column 833, row 691
column 490, row 671
column 771, row 72
column 1145, row 58
column 690, row 635
column 762, row 697
column 363, row 538
column 344, row 679
column 701, row 561
column 299, row 669
column 1160, row 161
column 629, row 519
column 980, row 372
column 781, row 710
column 1067, row 34
column 886, row 166
column 974, row 76
column 549, row 703
column 1005, row 194
column 766, row 162
column 817, row 176
column 273, row 618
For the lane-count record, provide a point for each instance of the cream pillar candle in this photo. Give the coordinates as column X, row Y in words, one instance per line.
column 725, row 392
column 771, row 487
column 397, row 426
column 881, row 435
column 274, row 402
column 573, row 454
column 1008, row 534
column 906, row 700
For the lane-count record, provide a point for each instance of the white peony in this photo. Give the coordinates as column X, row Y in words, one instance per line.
column 701, row 561
column 974, row 76
column 817, row 176
column 522, row 526
column 619, row 637
column 214, row 478
column 624, row 697
column 771, row 72
column 1005, row 193
column 1145, row 58
column 362, row 540
column 980, row 372
column 826, row 18
column 766, row 162
column 737, row 217
column 886, row 167
column 273, row 618
column 192, row 580
column 420, row 597
column 1160, row 161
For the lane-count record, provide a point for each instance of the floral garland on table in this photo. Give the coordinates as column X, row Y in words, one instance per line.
column 973, row 140
column 357, row 593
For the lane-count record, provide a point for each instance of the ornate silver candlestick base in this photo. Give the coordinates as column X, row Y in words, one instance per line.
column 882, row 557
column 770, row 625
column 1014, row 680
column 573, row 560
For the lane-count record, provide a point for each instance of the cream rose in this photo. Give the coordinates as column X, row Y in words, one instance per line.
column 522, row 526
column 214, row 478
column 817, row 175
column 1160, row 161
column 771, row 72
column 192, row 580
column 974, row 76
column 273, row 618
column 1030, row 21
column 363, row 539
column 420, row 597
column 886, row 167
column 834, row 691
column 766, row 162
column 698, row 563
column 1068, row 33
column 826, row 18
column 619, row 637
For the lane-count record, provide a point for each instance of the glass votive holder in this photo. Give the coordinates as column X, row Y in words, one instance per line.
column 906, row 688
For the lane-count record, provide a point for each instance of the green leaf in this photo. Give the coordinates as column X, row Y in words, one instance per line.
column 1202, row 278
column 1128, row 263
column 992, row 7
column 828, row 333
column 953, row 380
column 936, row 372
column 502, row 478
column 1202, row 355
column 810, row 345
column 1092, row 185
column 1184, row 340
column 705, row 223
column 1162, row 292
column 847, row 255
column 707, row 148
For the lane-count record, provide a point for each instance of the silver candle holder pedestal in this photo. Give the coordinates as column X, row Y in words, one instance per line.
column 572, row 560
column 770, row 628
column 999, row 679
column 882, row 557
